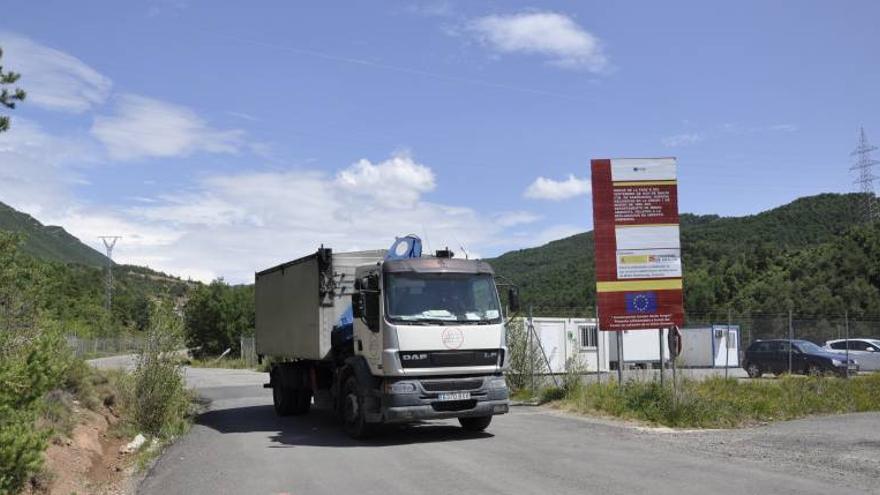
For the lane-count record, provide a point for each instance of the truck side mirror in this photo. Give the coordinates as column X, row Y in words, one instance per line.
column 513, row 299
column 357, row 305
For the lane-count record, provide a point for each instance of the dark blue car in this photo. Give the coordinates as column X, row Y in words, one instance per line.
column 772, row 356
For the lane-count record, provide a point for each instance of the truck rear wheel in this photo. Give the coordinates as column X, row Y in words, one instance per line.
column 302, row 401
column 288, row 395
column 475, row 424
column 353, row 418
column 282, row 399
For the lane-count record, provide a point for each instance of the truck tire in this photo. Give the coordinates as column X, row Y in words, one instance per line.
column 282, row 399
column 353, row 419
column 479, row 423
column 302, row 401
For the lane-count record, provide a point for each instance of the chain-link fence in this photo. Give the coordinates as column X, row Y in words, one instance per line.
column 714, row 343
column 101, row 347
column 248, row 351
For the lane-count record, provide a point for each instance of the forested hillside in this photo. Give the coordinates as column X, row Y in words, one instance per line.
column 48, row 242
column 812, row 255
column 69, row 279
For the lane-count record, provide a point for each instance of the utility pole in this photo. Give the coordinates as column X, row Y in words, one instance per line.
column 109, row 244
column 866, row 176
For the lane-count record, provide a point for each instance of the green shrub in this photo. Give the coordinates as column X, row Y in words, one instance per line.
column 524, row 359
column 156, row 400
column 31, row 364
column 551, row 394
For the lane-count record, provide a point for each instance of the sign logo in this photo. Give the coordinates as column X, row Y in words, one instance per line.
column 641, row 302
column 452, row 338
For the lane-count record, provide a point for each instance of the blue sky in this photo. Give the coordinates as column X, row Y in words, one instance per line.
column 219, row 138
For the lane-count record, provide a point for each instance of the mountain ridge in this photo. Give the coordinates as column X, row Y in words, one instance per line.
column 48, row 242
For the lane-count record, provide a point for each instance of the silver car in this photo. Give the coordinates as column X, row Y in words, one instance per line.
column 865, row 351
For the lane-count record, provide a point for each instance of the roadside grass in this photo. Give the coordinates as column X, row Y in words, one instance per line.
column 225, row 362
column 719, row 402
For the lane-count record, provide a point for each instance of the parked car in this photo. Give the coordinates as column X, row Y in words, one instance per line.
column 772, row 356
column 865, row 351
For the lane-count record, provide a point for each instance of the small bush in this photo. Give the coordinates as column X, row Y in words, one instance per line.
column 524, row 358
column 156, row 400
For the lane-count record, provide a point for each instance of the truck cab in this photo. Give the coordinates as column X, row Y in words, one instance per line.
column 432, row 328
column 429, row 316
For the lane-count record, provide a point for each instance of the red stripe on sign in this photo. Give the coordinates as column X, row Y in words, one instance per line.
column 613, row 313
column 605, row 243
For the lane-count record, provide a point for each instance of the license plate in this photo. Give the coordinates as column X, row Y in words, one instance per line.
column 454, row 396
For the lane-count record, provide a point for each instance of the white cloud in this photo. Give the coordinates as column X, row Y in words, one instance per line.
column 143, row 127
column 782, row 128
column 398, row 179
column 550, row 34
column 53, row 79
column 514, row 218
column 555, row 232
column 235, row 224
column 555, row 190
column 684, row 139
column 36, row 168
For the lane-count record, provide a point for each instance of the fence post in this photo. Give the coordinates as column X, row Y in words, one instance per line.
column 727, row 346
column 619, row 358
column 846, row 327
column 790, row 338
column 598, row 348
column 531, row 353
column 660, row 336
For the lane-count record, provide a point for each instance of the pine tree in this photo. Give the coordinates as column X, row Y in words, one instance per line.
column 8, row 96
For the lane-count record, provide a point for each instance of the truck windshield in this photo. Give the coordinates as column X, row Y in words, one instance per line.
column 442, row 298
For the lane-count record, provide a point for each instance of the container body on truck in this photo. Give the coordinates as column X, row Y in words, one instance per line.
column 383, row 340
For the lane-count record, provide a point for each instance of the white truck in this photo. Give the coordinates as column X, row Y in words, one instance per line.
column 384, row 340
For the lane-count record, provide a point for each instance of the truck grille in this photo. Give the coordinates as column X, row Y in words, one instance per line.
column 441, row 359
column 452, row 385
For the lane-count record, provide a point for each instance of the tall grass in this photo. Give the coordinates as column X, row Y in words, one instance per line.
column 723, row 403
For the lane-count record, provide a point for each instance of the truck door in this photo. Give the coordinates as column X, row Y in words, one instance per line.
column 368, row 329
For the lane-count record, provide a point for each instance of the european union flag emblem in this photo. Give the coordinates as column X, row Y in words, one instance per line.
column 641, row 302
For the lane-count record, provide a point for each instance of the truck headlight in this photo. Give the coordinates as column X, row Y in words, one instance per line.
column 837, row 362
column 400, row 388
column 497, row 383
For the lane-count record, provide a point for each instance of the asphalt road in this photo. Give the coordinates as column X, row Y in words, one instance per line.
column 240, row 446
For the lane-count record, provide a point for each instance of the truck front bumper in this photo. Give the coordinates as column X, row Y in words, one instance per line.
column 427, row 401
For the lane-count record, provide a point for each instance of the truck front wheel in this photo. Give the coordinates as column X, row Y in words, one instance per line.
column 353, row 417
column 475, row 424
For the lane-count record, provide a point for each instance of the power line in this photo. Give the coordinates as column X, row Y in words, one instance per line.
column 109, row 244
column 864, row 165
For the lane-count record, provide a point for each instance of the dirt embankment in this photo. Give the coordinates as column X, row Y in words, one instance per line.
column 88, row 461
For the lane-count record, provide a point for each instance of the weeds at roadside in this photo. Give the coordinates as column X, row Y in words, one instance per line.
column 721, row 403
column 228, row 363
